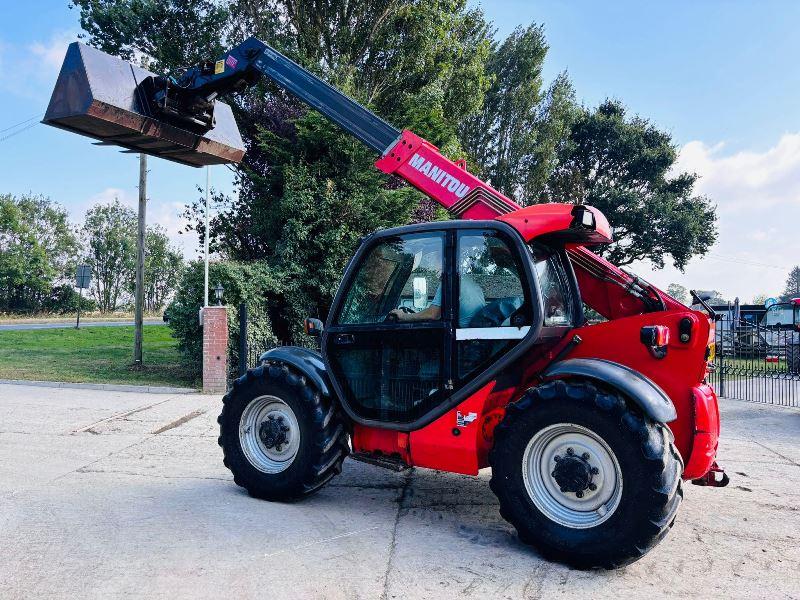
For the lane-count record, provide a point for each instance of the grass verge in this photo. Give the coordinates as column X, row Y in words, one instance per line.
column 94, row 355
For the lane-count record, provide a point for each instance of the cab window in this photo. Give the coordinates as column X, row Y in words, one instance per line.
column 493, row 315
column 557, row 304
column 400, row 273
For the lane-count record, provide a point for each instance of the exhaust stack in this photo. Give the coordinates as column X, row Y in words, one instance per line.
column 98, row 95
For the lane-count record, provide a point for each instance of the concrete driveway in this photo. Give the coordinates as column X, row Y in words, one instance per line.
column 106, row 494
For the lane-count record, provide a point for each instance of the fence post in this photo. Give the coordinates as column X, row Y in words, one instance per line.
column 720, row 359
column 215, row 349
column 243, row 345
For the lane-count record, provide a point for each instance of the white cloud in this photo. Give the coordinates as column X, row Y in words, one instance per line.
column 758, row 206
column 30, row 70
column 50, row 54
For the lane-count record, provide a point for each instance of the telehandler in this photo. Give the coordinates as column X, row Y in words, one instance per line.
column 453, row 345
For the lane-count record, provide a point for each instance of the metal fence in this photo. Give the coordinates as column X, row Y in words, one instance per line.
column 249, row 350
column 756, row 363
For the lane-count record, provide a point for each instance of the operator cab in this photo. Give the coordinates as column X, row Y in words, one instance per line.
column 783, row 315
column 427, row 314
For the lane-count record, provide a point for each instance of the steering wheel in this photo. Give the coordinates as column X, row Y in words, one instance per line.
column 392, row 318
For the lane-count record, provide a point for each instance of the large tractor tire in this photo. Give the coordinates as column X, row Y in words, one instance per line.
column 280, row 437
column 583, row 476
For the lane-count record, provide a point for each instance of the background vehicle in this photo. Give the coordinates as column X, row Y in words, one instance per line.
column 783, row 315
column 454, row 345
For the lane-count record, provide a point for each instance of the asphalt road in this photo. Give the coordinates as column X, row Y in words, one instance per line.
column 111, row 494
column 65, row 325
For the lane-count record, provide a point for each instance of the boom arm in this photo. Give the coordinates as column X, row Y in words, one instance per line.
column 190, row 101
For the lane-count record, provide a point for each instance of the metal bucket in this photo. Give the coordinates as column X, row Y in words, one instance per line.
column 97, row 95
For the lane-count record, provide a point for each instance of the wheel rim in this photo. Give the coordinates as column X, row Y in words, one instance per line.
column 572, row 475
column 269, row 434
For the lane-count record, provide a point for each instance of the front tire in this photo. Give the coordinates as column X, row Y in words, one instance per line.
column 584, row 476
column 280, row 437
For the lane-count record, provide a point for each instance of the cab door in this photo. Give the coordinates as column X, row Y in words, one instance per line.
column 393, row 367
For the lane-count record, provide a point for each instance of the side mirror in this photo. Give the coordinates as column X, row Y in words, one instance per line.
column 314, row 327
column 420, row 287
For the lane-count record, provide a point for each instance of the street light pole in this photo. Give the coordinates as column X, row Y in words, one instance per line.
column 140, row 237
column 205, row 237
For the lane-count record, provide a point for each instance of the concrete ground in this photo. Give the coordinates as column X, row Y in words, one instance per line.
column 109, row 494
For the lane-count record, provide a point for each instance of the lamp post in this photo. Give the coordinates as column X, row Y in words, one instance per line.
column 205, row 237
column 218, row 291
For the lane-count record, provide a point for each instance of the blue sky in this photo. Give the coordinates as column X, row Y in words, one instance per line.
column 722, row 77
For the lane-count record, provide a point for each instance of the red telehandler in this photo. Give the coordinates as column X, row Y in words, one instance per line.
column 453, row 345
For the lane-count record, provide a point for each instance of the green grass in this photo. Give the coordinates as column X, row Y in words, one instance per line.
column 94, row 355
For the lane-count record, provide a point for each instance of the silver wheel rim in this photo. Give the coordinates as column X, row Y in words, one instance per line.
column 552, row 444
column 263, row 457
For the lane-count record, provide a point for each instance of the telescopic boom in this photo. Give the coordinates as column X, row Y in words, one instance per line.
column 189, row 102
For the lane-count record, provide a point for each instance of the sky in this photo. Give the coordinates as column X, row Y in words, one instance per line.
column 720, row 76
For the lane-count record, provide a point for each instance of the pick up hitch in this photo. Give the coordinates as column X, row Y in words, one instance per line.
column 716, row 477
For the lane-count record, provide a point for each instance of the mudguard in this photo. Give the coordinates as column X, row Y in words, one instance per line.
column 640, row 389
column 308, row 362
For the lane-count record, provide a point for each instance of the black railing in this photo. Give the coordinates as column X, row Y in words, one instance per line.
column 249, row 350
column 757, row 363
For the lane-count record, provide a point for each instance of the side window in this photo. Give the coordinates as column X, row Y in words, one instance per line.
column 400, row 273
column 556, row 293
column 489, row 284
column 492, row 316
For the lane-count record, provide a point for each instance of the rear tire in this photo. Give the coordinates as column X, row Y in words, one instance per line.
column 629, row 460
column 280, row 437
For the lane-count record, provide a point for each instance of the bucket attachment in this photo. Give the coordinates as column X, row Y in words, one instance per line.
column 99, row 95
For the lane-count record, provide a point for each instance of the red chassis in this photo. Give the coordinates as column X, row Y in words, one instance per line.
column 681, row 373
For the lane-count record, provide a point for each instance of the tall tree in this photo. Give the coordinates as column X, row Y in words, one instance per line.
column 109, row 232
column 515, row 136
column 759, row 299
column 679, row 292
column 37, row 246
column 163, row 267
column 623, row 166
column 792, row 287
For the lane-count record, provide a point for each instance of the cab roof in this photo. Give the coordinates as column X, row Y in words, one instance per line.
column 558, row 222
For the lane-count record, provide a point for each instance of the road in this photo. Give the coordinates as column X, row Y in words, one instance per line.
column 111, row 494
column 65, row 325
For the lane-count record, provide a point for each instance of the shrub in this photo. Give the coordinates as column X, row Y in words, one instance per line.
column 63, row 299
column 253, row 283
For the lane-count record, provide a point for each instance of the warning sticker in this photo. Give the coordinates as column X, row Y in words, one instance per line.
column 231, row 62
column 219, row 67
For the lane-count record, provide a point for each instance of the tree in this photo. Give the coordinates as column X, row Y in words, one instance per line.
column 759, row 299
column 109, row 232
column 717, row 299
column 623, row 166
column 515, row 136
column 792, row 287
column 163, row 266
column 680, row 293
column 37, row 248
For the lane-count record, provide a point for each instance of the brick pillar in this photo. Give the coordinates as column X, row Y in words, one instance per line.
column 215, row 349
